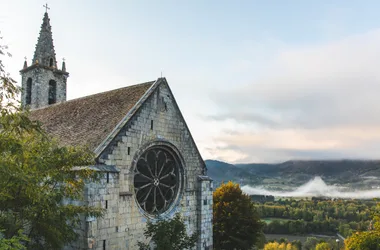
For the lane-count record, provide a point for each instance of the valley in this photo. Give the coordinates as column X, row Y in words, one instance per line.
column 339, row 179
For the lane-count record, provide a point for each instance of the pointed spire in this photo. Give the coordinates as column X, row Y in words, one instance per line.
column 25, row 63
column 45, row 53
column 63, row 65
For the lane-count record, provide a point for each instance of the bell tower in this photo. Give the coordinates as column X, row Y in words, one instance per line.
column 42, row 82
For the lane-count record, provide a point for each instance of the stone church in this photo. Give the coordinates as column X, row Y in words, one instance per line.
column 149, row 163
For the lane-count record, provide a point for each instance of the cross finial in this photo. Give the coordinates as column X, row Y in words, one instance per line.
column 63, row 59
column 46, row 7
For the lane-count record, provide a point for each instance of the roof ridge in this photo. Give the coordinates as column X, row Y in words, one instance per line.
column 92, row 95
column 99, row 149
column 89, row 119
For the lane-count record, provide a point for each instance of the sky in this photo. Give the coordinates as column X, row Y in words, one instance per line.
column 257, row 81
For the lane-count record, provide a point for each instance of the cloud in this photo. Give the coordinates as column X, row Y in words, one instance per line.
column 322, row 98
column 312, row 87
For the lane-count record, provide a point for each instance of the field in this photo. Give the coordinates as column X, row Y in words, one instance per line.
column 301, row 238
column 269, row 220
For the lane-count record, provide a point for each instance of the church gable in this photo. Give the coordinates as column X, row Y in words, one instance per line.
column 160, row 169
column 155, row 118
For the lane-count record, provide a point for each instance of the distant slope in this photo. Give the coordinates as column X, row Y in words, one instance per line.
column 222, row 171
column 297, row 172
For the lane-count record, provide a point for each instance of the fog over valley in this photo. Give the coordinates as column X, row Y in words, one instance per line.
column 315, row 187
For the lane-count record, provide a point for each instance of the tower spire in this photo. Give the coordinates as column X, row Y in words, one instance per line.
column 42, row 82
column 45, row 53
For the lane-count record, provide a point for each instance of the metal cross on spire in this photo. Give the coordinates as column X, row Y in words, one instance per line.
column 46, row 7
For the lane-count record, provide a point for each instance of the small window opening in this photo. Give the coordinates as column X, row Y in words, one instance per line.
column 129, row 150
column 165, row 105
column 51, row 62
column 104, row 244
column 108, row 177
column 151, row 124
column 117, row 229
column 204, row 202
column 52, row 92
column 28, row 99
column 106, row 204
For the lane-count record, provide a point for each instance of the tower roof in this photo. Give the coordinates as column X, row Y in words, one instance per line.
column 45, row 53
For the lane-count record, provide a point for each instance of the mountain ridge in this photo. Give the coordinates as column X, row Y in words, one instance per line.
column 359, row 173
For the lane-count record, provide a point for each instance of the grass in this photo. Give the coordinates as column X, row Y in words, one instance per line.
column 291, row 237
column 269, row 220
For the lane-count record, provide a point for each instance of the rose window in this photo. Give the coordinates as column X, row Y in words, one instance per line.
column 156, row 180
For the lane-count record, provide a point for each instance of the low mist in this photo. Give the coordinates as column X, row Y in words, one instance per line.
column 316, row 187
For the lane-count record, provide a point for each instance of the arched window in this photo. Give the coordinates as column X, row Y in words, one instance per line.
column 51, row 62
column 28, row 92
column 52, row 91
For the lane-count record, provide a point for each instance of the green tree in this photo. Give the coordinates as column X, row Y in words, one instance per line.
column 366, row 240
column 310, row 243
column 323, row 246
column 14, row 243
column 169, row 235
column 236, row 224
column 297, row 244
column 37, row 181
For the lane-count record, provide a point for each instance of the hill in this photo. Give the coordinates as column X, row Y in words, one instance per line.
column 350, row 173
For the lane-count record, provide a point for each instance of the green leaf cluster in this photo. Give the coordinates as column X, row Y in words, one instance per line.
column 236, row 224
column 367, row 240
column 169, row 235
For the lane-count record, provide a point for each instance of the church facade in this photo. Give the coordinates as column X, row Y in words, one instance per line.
column 149, row 163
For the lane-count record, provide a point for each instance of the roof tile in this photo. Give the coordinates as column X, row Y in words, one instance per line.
column 88, row 120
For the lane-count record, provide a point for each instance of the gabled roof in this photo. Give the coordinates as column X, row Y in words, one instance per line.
column 96, row 120
column 89, row 120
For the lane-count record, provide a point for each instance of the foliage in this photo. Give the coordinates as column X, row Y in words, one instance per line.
column 37, row 181
column 323, row 246
column 236, row 224
column 279, row 246
column 292, row 216
column 366, row 240
column 297, row 244
column 310, row 243
column 14, row 243
column 8, row 88
column 169, row 235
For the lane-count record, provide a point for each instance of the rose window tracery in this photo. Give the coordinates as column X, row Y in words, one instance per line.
column 156, row 180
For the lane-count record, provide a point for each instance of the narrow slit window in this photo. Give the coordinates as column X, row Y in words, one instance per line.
column 51, row 62
column 129, row 150
column 108, row 177
column 52, row 92
column 204, row 202
column 151, row 124
column 104, row 244
column 106, row 204
column 28, row 99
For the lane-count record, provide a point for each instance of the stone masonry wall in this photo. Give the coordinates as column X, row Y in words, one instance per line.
column 205, row 212
column 40, row 86
column 103, row 194
column 123, row 224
